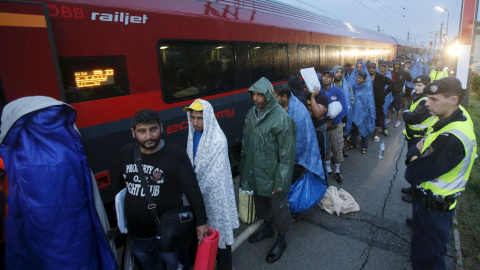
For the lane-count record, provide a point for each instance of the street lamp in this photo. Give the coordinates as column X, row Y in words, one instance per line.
column 448, row 15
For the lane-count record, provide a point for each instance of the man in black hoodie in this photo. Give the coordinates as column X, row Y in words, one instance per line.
column 399, row 76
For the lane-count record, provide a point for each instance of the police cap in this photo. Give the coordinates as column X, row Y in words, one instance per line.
column 384, row 63
column 442, row 86
column 371, row 64
column 425, row 79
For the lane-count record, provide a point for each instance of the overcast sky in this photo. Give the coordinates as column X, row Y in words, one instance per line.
column 395, row 17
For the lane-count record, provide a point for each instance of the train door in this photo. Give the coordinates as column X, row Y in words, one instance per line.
column 28, row 59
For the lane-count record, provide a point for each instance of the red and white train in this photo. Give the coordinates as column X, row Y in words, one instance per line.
column 110, row 58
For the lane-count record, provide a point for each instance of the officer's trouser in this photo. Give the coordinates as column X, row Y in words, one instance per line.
column 430, row 235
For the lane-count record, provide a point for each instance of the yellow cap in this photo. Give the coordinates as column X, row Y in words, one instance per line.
column 196, row 106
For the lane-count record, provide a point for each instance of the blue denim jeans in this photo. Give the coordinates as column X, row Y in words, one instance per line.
column 151, row 258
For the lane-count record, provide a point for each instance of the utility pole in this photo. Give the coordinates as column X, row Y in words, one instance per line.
column 408, row 36
column 378, row 26
column 441, row 28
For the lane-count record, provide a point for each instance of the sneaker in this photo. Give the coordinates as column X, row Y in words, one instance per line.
column 388, row 121
column 376, row 139
column 339, row 178
column 385, row 132
column 345, row 152
column 397, row 124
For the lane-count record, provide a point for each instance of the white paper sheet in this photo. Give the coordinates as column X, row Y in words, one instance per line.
column 310, row 77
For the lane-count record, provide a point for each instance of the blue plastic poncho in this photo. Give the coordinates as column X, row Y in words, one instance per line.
column 389, row 97
column 345, row 86
column 309, row 189
column 415, row 70
column 307, row 153
column 363, row 111
column 52, row 222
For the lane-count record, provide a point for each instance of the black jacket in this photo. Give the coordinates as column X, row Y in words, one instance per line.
column 399, row 78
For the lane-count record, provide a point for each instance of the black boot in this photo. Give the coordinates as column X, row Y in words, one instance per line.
column 266, row 231
column 277, row 250
column 407, row 198
column 409, row 222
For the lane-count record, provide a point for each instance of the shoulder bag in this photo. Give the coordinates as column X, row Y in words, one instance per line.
column 176, row 228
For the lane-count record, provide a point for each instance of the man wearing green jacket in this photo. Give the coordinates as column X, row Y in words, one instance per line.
column 266, row 166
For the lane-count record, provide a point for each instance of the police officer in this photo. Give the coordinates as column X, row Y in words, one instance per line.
column 417, row 119
column 440, row 166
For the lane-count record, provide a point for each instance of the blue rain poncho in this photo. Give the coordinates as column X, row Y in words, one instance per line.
column 345, row 86
column 52, row 221
column 363, row 111
column 309, row 189
column 307, row 153
column 389, row 97
column 415, row 70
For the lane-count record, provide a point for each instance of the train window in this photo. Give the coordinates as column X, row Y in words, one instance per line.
column 360, row 53
column 332, row 55
column 308, row 56
column 389, row 54
column 269, row 61
column 94, row 77
column 195, row 68
column 378, row 53
column 349, row 56
column 371, row 54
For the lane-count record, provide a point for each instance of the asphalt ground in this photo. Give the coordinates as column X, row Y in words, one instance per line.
column 376, row 237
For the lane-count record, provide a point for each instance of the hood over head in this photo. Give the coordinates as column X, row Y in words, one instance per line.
column 22, row 106
column 264, row 87
column 335, row 68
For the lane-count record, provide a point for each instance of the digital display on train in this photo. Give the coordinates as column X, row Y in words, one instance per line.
column 94, row 78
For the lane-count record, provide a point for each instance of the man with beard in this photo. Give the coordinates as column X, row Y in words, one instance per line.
column 379, row 94
column 266, row 167
column 169, row 174
column 341, row 82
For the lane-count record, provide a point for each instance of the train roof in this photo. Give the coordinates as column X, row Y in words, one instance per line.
column 252, row 12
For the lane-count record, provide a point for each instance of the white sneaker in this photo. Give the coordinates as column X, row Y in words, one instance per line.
column 397, row 124
column 376, row 139
column 388, row 121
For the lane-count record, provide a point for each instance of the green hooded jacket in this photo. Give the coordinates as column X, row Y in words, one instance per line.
column 268, row 146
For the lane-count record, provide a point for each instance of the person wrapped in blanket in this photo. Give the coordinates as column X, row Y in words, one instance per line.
column 363, row 112
column 207, row 148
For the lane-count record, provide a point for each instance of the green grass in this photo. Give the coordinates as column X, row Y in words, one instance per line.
column 468, row 209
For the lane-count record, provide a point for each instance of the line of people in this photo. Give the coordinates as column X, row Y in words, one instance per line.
column 292, row 130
